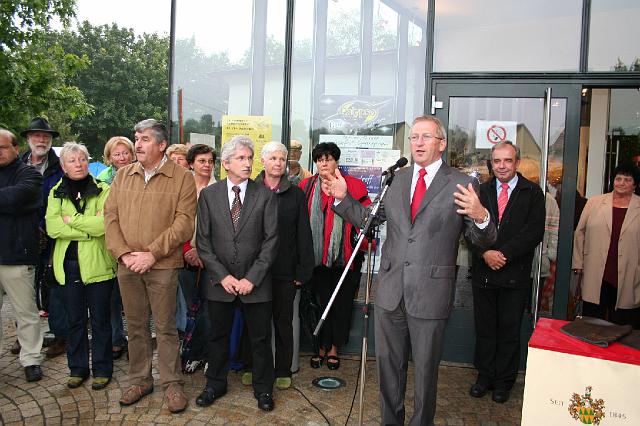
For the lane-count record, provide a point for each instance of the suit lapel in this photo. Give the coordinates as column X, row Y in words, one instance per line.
column 405, row 184
column 222, row 200
column 493, row 200
column 439, row 182
column 248, row 204
column 607, row 206
column 632, row 213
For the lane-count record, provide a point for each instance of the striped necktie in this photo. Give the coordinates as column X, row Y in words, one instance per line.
column 236, row 207
column 503, row 199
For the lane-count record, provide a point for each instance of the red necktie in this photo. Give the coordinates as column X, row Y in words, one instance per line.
column 418, row 194
column 503, row 199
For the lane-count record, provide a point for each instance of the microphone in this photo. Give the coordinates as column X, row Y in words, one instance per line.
column 400, row 163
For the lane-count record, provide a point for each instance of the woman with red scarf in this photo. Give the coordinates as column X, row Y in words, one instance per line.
column 333, row 241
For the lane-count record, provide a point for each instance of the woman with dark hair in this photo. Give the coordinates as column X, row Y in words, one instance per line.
column 82, row 265
column 332, row 246
column 605, row 251
column 201, row 159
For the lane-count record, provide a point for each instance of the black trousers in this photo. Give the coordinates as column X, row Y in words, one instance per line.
column 335, row 330
column 497, row 315
column 606, row 310
column 258, row 319
column 284, row 293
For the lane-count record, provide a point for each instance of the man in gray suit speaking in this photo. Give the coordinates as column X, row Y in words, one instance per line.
column 425, row 217
column 237, row 241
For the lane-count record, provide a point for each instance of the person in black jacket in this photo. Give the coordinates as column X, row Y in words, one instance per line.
column 20, row 202
column 501, row 274
column 294, row 261
column 39, row 135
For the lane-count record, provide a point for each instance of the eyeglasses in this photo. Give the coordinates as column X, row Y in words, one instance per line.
column 203, row 162
column 425, row 137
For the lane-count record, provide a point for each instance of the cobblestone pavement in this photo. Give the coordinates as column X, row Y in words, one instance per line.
column 50, row 402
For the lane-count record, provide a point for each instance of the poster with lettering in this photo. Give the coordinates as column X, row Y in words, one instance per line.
column 256, row 127
column 356, row 115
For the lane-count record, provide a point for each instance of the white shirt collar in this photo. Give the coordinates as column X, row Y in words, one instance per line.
column 432, row 168
column 231, row 194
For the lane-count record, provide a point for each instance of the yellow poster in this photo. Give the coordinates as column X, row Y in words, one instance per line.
column 256, row 127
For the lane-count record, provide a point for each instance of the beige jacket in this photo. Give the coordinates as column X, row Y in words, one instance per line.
column 591, row 245
column 157, row 217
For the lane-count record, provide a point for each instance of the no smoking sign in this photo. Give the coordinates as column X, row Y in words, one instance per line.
column 496, row 134
column 491, row 132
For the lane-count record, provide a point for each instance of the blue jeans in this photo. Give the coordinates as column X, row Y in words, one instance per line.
column 58, row 320
column 96, row 297
column 117, row 325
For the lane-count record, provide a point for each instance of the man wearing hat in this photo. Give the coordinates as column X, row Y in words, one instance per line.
column 297, row 173
column 39, row 135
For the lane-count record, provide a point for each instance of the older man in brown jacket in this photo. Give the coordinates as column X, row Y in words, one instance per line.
column 149, row 214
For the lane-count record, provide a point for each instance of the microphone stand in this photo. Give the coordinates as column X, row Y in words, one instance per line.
column 368, row 228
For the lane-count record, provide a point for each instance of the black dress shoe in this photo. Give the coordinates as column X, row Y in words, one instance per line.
column 265, row 401
column 500, row 396
column 207, row 396
column 478, row 390
column 33, row 373
column 316, row 361
column 333, row 362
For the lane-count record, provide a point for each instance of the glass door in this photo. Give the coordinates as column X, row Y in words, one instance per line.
column 535, row 118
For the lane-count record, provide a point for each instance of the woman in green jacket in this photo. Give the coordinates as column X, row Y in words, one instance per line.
column 82, row 265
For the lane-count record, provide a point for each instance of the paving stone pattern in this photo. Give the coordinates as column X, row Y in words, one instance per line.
column 50, row 402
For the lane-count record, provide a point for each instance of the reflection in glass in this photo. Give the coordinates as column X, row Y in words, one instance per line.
column 507, row 35
column 613, row 35
column 470, row 137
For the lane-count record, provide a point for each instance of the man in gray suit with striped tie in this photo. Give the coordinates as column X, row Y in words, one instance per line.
column 427, row 208
column 237, row 242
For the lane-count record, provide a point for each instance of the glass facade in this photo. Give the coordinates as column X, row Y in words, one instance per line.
column 613, row 36
column 227, row 64
column 360, row 71
column 503, row 35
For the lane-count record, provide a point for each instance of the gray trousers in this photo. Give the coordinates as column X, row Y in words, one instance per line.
column 397, row 333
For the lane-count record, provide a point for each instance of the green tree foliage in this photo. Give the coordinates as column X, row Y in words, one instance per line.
column 34, row 78
column 126, row 82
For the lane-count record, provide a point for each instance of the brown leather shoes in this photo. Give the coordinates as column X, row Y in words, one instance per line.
column 133, row 394
column 176, row 399
column 57, row 347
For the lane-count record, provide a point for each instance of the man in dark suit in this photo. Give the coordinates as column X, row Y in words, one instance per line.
column 501, row 273
column 237, row 242
column 417, row 271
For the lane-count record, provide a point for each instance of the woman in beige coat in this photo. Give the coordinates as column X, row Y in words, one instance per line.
column 606, row 251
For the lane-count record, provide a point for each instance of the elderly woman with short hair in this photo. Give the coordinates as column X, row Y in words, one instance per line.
column 118, row 152
column 294, row 261
column 605, row 251
column 82, row 265
column 178, row 154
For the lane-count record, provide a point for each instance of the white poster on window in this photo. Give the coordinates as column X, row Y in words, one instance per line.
column 359, row 141
column 491, row 132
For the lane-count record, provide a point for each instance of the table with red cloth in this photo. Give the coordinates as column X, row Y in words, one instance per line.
column 571, row 382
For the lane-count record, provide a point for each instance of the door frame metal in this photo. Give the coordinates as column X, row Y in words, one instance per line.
column 535, row 88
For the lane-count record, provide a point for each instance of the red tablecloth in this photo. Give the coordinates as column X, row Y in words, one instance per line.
column 547, row 335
